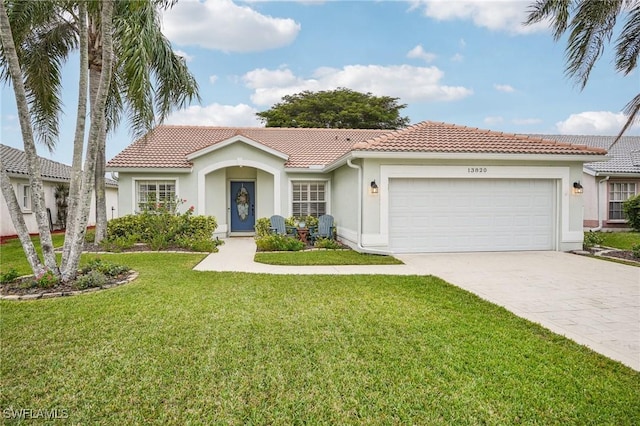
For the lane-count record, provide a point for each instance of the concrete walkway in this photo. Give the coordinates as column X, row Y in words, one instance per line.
column 593, row 302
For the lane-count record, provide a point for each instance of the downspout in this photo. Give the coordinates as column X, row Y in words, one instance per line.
column 359, row 230
column 361, row 249
column 600, row 220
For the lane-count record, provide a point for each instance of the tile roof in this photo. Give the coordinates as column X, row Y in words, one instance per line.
column 15, row 163
column 429, row 136
column 168, row 146
column 625, row 153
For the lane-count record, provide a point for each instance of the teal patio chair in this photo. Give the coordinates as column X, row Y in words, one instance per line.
column 278, row 226
column 325, row 228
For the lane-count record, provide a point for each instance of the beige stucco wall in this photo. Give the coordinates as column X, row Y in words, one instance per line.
column 569, row 206
column 6, row 225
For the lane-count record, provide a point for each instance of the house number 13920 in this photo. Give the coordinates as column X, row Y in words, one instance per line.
column 476, row 170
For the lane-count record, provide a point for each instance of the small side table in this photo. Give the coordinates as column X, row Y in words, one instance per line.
column 303, row 233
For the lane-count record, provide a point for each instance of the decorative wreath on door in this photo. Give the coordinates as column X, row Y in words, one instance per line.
column 242, row 203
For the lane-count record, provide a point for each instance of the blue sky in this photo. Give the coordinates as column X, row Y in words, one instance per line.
column 464, row 62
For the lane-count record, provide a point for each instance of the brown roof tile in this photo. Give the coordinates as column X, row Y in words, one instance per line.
column 429, row 136
column 169, row 146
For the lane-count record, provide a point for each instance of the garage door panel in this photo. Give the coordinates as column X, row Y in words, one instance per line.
column 448, row 215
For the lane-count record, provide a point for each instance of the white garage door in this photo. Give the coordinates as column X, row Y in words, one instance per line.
column 462, row 215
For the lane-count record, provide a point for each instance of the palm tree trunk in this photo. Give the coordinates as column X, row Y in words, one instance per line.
column 18, row 222
column 100, row 193
column 33, row 162
column 97, row 124
column 78, row 140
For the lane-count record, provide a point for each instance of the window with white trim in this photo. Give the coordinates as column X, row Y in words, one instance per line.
column 154, row 194
column 24, row 197
column 619, row 192
column 309, row 198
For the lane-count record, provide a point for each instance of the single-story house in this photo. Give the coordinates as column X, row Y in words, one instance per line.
column 607, row 184
column 53, row 174
column 431, row 187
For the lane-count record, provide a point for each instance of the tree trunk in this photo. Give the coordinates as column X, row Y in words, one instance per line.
column 18, row 222
column 97, row 123
column 35, row 179
column 100, row 193
column 78, row 140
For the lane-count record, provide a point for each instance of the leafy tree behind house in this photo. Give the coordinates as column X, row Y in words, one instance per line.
column 339, row 109
column 591, row 25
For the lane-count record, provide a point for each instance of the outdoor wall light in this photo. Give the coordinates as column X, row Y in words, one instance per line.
column 374, row 187
column 577, row 188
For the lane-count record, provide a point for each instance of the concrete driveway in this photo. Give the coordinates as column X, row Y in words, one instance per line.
column 593, row 302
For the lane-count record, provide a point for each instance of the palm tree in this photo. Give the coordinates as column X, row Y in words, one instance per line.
column 147, row 80
column 591, row 24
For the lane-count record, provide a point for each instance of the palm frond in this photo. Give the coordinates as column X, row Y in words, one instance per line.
column 591, row 28
column 556, row 10
column 628, row 42
column 632, row 111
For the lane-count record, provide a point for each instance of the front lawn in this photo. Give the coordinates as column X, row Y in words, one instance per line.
column 620, row 240
column 179, row 346
column 12, row 254
column 324, row 257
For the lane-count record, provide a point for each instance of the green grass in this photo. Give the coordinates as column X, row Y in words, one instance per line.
column 324, row 257
column 12, row 254
column 179, row 346
column 621, row 240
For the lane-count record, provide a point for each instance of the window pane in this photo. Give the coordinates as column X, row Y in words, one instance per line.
column 308, row 199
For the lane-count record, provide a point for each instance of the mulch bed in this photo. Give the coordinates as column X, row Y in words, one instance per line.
column 21, row 286
column 626, row 255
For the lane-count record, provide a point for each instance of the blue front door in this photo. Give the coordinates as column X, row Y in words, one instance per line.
column 243, row 203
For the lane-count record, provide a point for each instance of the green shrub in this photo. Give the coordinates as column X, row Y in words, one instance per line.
column 119, row 244
column 327, row 243
column 631, row 209
column 90, row 235
column 274, row 242
column 592, row 239
column 263, row 227
column 635, row 249
column 47, row 280
column 105, row 267
column 161, row 228
column 309, row 221
column 9, row 276
column 92, row 278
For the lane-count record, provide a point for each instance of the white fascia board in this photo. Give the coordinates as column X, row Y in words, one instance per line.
column 305, row 170
column 150, row 169
column 235, row 139
column 478, row 156
column 587, row 170
column 619, row 174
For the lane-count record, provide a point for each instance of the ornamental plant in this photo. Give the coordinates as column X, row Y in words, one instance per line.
column 631, row 209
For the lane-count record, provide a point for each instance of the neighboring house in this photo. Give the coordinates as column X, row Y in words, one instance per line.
column 53, row 174
column 438, row 187
column 607, row 184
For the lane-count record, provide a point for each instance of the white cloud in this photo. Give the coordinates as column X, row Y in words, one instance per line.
column 492, row 120
column 216, row 115
column 223, row 25
column 526, row 121
column 504, row 88
column 406, row 82
column 496, row 15
column 185, row 55
column 213, row 79
column 419, row 53
column 593, row 123
column 457, row 58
